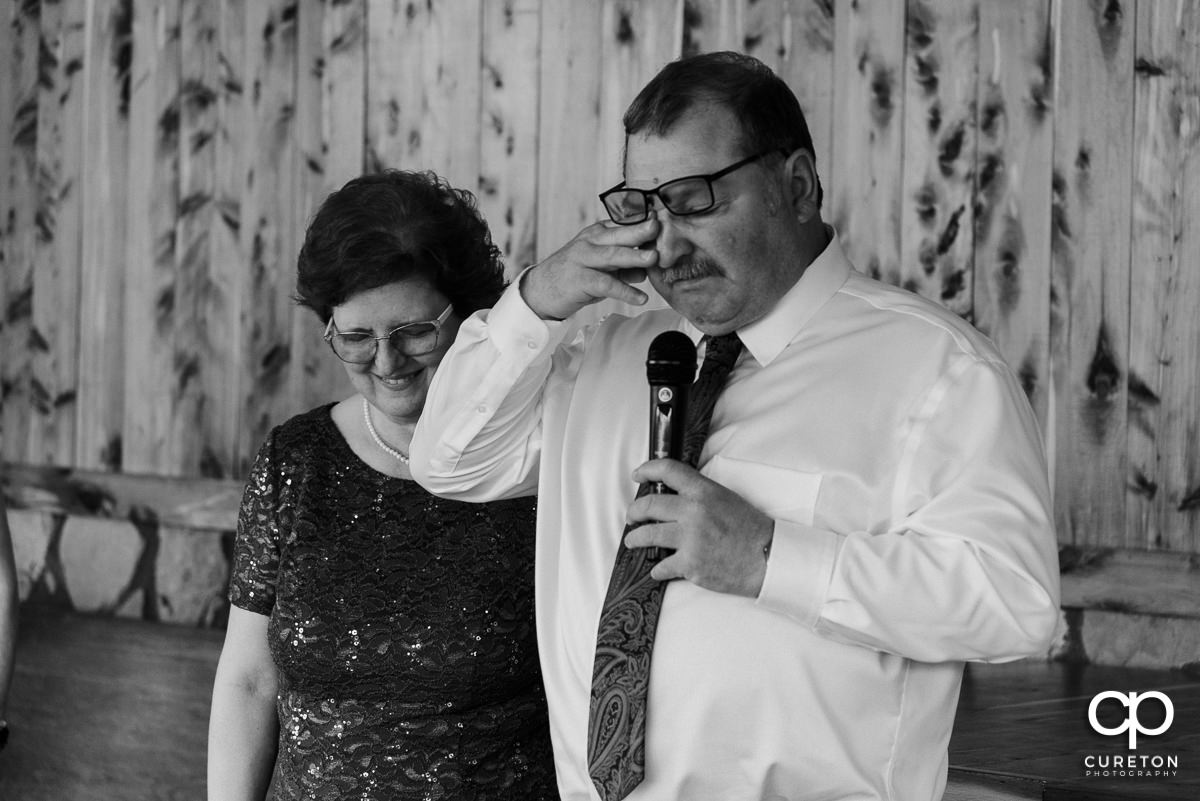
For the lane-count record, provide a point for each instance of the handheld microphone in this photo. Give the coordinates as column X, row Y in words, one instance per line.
column 670, row 371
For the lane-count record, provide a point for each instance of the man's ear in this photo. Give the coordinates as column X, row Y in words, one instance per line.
column 801, row 171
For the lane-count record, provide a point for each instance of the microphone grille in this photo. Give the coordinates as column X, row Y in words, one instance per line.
column 671, row 359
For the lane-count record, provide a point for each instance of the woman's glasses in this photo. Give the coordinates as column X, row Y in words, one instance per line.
column 411, row 339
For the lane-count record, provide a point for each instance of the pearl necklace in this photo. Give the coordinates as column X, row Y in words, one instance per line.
column 388, row 449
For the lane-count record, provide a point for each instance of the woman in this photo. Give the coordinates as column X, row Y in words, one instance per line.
column 9, row 605
column 380, row 642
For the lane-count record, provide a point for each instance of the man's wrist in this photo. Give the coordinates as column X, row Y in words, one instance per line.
column 525, row 296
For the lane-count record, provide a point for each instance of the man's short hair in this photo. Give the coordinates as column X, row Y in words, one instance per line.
column 765, row 106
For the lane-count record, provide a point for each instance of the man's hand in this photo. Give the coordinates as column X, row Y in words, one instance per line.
column 600, row 262
column 717, row 535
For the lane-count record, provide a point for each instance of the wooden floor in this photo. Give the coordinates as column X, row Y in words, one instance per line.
column 105, row 709
column 116, row 710
column 1025, row 726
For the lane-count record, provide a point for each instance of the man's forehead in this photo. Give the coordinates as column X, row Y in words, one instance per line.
column 695, row 149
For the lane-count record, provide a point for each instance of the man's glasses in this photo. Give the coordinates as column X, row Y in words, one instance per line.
column 691, row 194
column 411, row 339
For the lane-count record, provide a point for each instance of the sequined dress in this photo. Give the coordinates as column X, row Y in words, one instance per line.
column 401, row 625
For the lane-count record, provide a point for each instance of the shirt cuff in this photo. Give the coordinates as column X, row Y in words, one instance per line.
column 514, row 328
column 799, row 571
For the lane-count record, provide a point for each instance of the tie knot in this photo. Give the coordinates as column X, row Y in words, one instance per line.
column 723, row 349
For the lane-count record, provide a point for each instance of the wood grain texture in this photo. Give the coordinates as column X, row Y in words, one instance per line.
column 104, row 197
column 228, row 247
column 1012, row 191
column 423, row 88
column 271, row 173
column 868, row 115
column 636, row 41
column 710, row 25
column 58, row 249
column 8, row 114
column 151, row 293
column 1164, row 330
column 105, row 709
column 799, row 47
column 203, row 421
column 318, row 376
column 508, row 169
column 1091, row 267
column 18, row 209
column 197, row 504
column 568, row 170
column 343, row 91
column 937, row 210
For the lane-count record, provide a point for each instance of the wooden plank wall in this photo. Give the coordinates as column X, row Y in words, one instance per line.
column 1032, row 164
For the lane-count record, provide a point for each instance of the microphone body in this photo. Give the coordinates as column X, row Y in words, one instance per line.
column 670, row 371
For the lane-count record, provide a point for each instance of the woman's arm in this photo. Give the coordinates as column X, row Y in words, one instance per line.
column 8, row 609
column 243, row 727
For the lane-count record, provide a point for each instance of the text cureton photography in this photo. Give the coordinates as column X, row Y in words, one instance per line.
column 1112, row 714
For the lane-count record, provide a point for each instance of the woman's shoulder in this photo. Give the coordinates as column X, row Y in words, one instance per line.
column 303, row 431
column 305, row 422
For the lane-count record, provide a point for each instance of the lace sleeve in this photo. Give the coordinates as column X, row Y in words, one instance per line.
column 256, row 549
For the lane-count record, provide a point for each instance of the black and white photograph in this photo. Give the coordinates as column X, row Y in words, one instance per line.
column 591, row 400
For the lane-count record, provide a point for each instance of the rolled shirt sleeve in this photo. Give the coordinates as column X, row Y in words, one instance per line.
column 965, row 571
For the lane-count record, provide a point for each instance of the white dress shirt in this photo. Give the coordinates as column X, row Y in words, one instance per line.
column 903, row 468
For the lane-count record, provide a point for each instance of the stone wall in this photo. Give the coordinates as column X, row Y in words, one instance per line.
column 119, row 567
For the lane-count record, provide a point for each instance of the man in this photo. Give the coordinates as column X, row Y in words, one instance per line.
column 871, row 506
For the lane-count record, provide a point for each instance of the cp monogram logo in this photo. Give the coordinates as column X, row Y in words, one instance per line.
column 1130, row 701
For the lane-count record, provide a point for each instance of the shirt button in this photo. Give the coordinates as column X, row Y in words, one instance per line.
column 532, row 345
column 482, row 408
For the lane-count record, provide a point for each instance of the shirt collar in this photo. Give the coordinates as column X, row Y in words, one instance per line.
column 766, row 338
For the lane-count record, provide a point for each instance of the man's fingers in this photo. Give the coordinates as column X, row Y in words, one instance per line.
column 620, row 257
column 682, row 478
column 632, row 275
column 653, row 507
column 653, row 535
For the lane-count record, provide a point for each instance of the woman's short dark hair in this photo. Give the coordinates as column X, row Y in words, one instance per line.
column 391, row 225
column 765, row 106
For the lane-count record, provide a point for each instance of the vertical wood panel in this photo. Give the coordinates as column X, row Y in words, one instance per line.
column 1164, row 338
column 269, row 163
column 1091, row 259
column 1012, row 190
column 339, row 106
column 802, row 55
column 56, row 273
column 105, row 202
column 569, row 124
column 319, row 377
column 508, row 173
column 636, row 40
column 868, row 118
column 393, row 63
column 710, row 25
column 343, row 91
column 18, row 204
column 7, row 116
column 199, row 424
column 150, row 277
column 423, row 88
column 937, row 209
column 230, row 260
